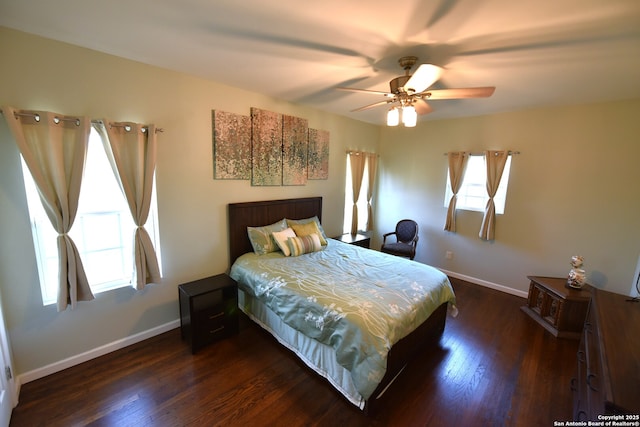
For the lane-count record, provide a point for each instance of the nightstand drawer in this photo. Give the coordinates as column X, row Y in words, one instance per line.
column 211, row 318
column 211, row 325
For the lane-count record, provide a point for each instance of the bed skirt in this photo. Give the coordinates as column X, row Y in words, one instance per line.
column 317, row 356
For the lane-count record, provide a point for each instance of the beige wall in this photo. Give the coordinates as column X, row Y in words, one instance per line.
column 572, row 190
column 41, row 74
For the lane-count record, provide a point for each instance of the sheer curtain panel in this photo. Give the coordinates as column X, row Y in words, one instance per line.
column 356, row 161
column 131, row 149
column 54, row 148
column 372, row 167
column 457, row 166
column 495, row 161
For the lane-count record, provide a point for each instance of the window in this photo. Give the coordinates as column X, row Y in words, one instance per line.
column 473, row 192
column 362, row 200
column 102, row 231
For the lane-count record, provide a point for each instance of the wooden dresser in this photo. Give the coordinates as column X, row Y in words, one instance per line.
column 608, row 371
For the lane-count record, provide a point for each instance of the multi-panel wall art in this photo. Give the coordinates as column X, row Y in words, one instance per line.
column 268, row 148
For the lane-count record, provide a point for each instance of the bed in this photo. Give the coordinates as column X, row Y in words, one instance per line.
column 313, row 303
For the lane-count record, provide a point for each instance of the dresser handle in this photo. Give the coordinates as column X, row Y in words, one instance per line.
column 215, row 316
column 573, row 384
column 580, row 356
column 589, row 378
column 580, row 414
column 216, row 330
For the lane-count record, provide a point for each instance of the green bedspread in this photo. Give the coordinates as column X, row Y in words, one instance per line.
column 358, row 301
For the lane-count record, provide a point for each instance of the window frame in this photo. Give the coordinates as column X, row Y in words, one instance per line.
column 465, row 193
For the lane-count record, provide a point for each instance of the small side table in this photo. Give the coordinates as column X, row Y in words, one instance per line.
column 360, row 239
column 208, row 310
column 559, row 309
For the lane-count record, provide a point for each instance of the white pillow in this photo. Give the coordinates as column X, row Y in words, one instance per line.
column 281, row 239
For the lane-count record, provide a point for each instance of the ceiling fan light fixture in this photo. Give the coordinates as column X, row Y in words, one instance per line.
column 409, row 116
column 393, row 117
column 424, row 77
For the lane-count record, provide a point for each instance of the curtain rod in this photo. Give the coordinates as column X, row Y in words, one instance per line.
column 124, row 125
column 357, row 153
column 57, row 119
column 511, row 153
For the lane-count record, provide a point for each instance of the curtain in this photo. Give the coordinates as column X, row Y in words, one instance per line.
column 457, row 166
column 495, row 161
column 356, row 160
column 372, row 167
column 131, row 149
column 54, row 149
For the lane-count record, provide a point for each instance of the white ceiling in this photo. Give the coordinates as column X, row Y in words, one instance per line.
column 536, row 52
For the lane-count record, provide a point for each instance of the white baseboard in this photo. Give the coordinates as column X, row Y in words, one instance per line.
column 96, row 352
column 486, row 284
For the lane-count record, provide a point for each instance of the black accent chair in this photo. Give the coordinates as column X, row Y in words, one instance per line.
column 406, row 239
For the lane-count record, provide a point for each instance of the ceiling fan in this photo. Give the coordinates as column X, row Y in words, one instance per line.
column 408, row 93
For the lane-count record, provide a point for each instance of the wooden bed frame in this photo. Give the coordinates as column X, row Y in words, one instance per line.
column 256, row 214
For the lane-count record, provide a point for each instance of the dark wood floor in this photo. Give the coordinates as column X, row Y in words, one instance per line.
column 494, row 366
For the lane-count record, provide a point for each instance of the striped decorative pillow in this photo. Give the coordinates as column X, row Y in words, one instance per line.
column 304, row 244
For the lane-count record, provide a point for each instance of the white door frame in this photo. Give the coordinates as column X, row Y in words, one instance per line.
column 8, row 389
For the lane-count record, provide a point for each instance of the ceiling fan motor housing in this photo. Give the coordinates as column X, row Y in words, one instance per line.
column 397, row 84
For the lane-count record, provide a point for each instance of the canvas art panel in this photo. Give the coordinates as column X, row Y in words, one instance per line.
column 231, row 145
column 266, row 147
column 295, row 146
column 318, row 162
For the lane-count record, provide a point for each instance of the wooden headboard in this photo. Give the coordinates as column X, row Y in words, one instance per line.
column 257, row 214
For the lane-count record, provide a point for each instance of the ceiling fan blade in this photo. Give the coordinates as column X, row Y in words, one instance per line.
column 422, row 107
column 376, row 104
column 373, row 92
column 459, row 93
column 425, row 76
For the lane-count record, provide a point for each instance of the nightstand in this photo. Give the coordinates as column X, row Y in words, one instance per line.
column 559, row 309
column 360, row 239
column 208, row 310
